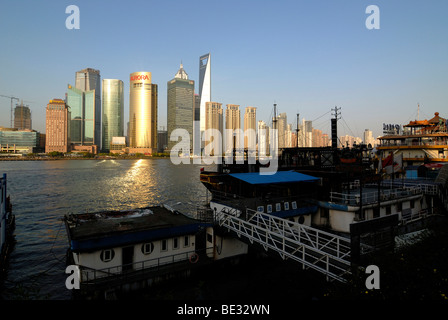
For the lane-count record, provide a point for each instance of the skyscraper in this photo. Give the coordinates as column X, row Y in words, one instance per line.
column 22, row 117
column 250, row 123
column 213, row 120
column 263, row 138
column 180, row 105
column 142, row 113
column 84, row 130
column 57, row 126
column 233, row 126
column 113, row 111
column 89, row 81
column 205, row 95
column 281, row 126
column 368, row 138
column 205, row 91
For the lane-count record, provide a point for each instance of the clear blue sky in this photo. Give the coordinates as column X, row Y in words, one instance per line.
column 306, row 56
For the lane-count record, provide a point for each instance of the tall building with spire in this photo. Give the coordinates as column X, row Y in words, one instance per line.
column 180, row 105
column 205, row 95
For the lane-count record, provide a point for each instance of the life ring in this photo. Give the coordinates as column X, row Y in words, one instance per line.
column 194, row 258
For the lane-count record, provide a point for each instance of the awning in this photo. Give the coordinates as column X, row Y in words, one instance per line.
column 278, row 177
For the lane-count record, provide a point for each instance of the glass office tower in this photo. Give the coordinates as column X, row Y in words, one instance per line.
column 180, row 102
column 89, row 81
column 113, row 111
column 83, row 116
column 142, row 112
column 205, row 95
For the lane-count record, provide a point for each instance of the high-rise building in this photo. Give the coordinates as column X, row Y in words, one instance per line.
column 213, row 120
column 113, row 111
column 250, row 123
column 89, row 81
column 368, row 138
column 263, row 138
column 83, row 124
column 233, row 126
column 22, row 117
column 205, row 95
column 142, row 113
column 308, row 132
column 180, row 105
column 205, row 91
column 57, row 126
column 281, row 127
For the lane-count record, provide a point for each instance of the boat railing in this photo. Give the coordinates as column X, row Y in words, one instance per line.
column 356, row 198
column 420, row 183
column 407, row 216
column 412, row 143
column 90, row 276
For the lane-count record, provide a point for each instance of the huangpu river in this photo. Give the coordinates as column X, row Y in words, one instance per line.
column 42, row 192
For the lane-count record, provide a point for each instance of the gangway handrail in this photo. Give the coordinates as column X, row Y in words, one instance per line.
column 313, row 248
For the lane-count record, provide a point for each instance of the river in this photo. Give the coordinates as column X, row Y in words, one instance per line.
column 42, row 192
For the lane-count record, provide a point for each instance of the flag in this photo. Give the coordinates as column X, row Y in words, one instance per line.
column 385, row 163
column 393, row 164
column 398, row 162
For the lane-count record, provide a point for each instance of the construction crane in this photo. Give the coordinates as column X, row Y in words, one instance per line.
column 12, row 98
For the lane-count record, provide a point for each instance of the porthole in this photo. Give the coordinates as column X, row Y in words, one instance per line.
column 301, row 219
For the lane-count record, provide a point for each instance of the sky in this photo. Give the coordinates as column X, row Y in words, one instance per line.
column 307, row 57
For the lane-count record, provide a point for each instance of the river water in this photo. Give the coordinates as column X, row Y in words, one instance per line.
column 42, row 192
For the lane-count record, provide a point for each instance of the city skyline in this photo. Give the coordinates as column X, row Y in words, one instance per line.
column 305, row 57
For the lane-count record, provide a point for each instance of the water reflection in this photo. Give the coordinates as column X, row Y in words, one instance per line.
column 43, row 191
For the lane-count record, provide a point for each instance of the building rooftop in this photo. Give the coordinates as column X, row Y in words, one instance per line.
column 90, row 231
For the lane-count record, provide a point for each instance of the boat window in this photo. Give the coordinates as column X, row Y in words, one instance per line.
column 176, row 243
column 269, row 207
column 107, row 255
column 260, row 209
column 164, row 245
column 147, row 248
column 388, row 210
column 278, row 207
column 286, row 205
column 294, row 205
column 301, row 219
column 209, row 238
column 186, row 241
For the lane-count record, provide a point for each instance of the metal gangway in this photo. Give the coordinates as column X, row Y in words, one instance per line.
column 316, row 249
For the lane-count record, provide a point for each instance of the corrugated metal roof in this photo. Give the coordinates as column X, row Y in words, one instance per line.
column 278, row 177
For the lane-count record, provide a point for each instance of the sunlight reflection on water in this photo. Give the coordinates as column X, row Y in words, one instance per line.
column 42, row 192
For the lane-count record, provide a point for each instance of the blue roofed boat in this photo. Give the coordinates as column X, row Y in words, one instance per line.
column 285, row 194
